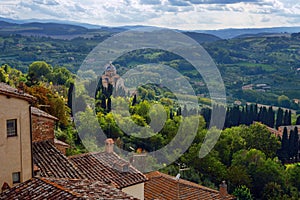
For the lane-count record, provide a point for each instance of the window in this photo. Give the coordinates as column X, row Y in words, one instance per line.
column 11, row 127
column 16, row 177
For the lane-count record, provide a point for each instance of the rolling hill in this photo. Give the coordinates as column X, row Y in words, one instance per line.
column 266, row 63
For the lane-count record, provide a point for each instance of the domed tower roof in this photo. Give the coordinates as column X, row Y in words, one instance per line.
column 110, row 67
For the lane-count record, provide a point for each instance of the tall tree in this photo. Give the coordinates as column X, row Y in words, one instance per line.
column 108, row 104
column 286, row 118
column 70, row 95
column 270, row 117
column 39, row 71
column 283, row 152
column 103, row 102
column 134, row 100
column 290, row 117
column 279, row 118
column 298, row 120
column 296, row 142
column 291, row 149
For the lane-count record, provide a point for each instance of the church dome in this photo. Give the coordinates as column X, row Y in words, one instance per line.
column 110, row 67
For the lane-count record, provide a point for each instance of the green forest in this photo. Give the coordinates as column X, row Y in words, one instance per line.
column 247, row 155
column 268, row 64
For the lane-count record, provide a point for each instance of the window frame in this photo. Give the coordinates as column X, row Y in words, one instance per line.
column 10, row 130
column 18, row 177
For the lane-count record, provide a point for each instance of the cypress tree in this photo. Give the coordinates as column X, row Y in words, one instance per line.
column 109, row 90
column 270, row 117
column 250, row 114
column 171, row 114
column 255, row 112
column 236, row 116
column 206, row 113
column 298, row 120
column 279, row 118
column 290, row 118
column 284, row 144
column 263, row 115
column 296, row 142
column 103, row 102
column 108, row 104
column 134, row 100
column 70, row 95
column 291, row 148
column 98, row 88
column 179, row 111
column 287, row 118
column 243, row 119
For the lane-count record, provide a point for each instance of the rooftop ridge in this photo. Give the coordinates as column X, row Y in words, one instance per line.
column 44, row 154
column 60, row 187
column 39, row 112
column 182, row 181
column 100, row 166
column 14, row 92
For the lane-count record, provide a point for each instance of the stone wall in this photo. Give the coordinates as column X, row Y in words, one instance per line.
column 42, row 129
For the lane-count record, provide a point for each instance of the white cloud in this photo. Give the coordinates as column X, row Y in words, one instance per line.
column 183, row 14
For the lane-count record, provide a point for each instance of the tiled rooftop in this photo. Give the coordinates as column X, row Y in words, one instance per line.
column 52, row 163
column 164, row 187
column 105, row 167
column 64, row 189
column 92, row 189
column 14, row 92
column 39, row 112
column 36, row 189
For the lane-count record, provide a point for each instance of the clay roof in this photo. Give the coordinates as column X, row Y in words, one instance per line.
column 48, row 188
column 40, row 113
column 52, row 163
column 36, row 188
column 107, row 167
column 162, row 186
column 92, row 189
column 14, row 92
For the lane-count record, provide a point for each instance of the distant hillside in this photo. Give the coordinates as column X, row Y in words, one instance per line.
column 232, row 33
column 202, row 37
column 54, row 30
column 266, row 64
column 70, row 31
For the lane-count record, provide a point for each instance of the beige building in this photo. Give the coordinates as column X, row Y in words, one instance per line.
column 15, row 135
column 110, row 76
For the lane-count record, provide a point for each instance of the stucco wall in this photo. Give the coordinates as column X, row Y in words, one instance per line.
column 135, row 190
column 15, row 152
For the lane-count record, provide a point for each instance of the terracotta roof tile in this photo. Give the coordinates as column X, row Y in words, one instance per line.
column 105, row 167
column 163, row 187
column 36, row 189
column 65, row 189
column 92, row 189
column 52, row 163
column 39, row 112
column 14, row 92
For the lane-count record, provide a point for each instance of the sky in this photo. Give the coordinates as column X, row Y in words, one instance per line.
column 179, row 14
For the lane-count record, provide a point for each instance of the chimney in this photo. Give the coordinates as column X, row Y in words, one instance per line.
column 4, row 187
column 36, row 170
column 109, row 145
column 223, row 190
column 21, row 88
